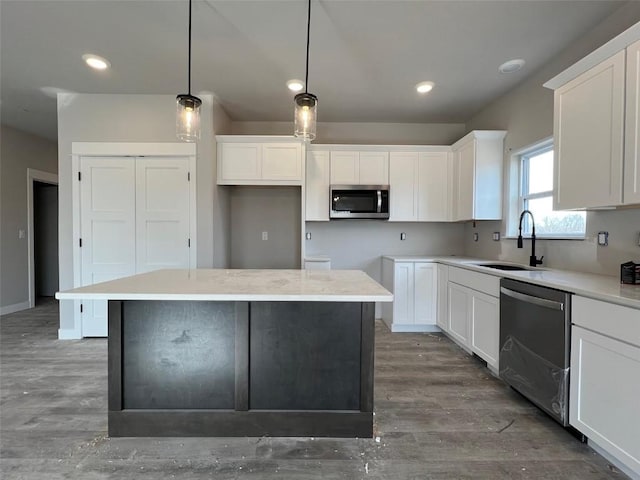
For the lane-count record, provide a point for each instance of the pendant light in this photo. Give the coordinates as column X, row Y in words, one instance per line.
column 306, row 103
column 188, row 107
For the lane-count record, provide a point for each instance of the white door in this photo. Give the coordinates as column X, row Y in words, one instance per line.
column 317, row 187
column 374, row 168
column 107, row 230
column 162, row 213
column 425, row 293
column 433, row 191
column 485, row 327
column 459, row 314
column 465, row 162
column 632, row 127
column 403, row 288
column 282, row 161
column 344, row 168
column 402, row 187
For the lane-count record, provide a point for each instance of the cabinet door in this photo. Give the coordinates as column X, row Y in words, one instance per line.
column 162, row 213
column 344, row 168
column 442, row 316
column 239, row 161
column 403, row 296
column 433, row 180
column 374, row 168
column 317, row 186
column 588, row 135
column 402, row 186
column 632, row 127
column 459, row 313
column 465, row 173
column 604, row 392
column 282, row 161
column 425, row 293
column 485, row 327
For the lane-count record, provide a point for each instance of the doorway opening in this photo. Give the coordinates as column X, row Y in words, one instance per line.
column 43, row 236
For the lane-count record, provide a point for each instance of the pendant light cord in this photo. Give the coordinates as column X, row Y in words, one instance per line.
column 306, row 78
column 189, row 47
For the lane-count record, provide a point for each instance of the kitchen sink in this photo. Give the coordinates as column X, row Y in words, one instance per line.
column 505, row 266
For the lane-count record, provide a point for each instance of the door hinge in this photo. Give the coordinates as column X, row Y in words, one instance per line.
column 188, row 176
column 79, row 176
column 189, row 242
column 81, row 309
column 80, row 242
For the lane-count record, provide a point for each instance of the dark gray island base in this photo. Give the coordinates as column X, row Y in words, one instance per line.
column 240, row 368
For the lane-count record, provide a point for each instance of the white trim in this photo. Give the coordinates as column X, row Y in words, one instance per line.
column 34, row 175
column 69, row 334
column 138, row 149
column 16, row 307
column 622, row 41
column 316, row 147
column 412, row 328
column 613, row 459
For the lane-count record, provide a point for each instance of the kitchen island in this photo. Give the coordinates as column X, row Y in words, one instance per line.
column 212, row 352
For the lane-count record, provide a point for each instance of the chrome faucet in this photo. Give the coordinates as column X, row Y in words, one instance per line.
column 533, row 260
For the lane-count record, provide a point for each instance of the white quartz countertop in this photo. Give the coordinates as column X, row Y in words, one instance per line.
column 238, row 285
column 599, row 287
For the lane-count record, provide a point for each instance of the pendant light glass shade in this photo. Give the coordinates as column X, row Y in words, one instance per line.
column 188, row 107
column 306, row 104
column 305, row 116
column 188, row 118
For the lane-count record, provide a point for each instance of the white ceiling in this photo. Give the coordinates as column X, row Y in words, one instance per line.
column 365, row 58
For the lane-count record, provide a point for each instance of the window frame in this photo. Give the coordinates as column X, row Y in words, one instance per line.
column 519, row 182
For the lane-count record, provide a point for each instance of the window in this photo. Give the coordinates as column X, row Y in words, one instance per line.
column 536, row 195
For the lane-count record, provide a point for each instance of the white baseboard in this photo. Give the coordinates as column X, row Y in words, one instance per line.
column 16, row 307
column 412, row 328
column 69, row 334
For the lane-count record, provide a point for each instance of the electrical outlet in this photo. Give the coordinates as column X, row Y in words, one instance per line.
column 265, row 235
column 496, row 236
column 20, row 233
column 403, row 236
column 603, row 238
column 475, row 236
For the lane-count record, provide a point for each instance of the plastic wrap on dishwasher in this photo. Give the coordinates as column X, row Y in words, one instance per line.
column 544, row 383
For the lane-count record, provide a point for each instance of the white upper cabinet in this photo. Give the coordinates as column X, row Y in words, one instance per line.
column 631, row 187
column 359, row 167
column 402, row 186
column 419, row 186
column 317, row 186
column 477, row 176
column 596, row 126
column 588, row 136
column 246, row 160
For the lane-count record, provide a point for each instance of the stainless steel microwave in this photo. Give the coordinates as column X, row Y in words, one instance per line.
column 359, row 201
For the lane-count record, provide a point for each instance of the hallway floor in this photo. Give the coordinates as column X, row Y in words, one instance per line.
column 439, row 415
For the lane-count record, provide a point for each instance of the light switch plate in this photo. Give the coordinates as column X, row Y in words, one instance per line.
column 475, row 236
column 603, row 238
column 403, row 236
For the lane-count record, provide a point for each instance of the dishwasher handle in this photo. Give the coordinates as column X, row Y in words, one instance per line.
column 542, row 302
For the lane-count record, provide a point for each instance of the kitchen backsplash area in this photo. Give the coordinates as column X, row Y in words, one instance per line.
column 578, row 255
column 359, row 244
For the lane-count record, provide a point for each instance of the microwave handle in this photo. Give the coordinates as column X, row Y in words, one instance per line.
column 379, row 201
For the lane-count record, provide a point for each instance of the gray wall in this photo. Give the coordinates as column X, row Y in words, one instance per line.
column 275, row 210
column 45, row 239
column 358, row 244
column 18, row 151
column 138, row 118
column 363, row 133
column 527, row 114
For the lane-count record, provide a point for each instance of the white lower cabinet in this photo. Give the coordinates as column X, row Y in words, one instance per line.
column 414, row 287
column 443, row 295
column 605, row 379
column 473, row 315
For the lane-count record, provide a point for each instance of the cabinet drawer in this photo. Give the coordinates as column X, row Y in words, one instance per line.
column 482, row 282
column 609, row 319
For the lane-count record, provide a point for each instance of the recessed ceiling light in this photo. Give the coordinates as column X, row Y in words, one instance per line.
column 295, row 85
column 96, row 62
column 424, row 87
column 511, row 66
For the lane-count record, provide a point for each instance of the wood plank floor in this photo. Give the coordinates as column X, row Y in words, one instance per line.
column 439, row 415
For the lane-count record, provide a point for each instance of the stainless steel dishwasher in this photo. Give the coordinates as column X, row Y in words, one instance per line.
column 535, row 340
